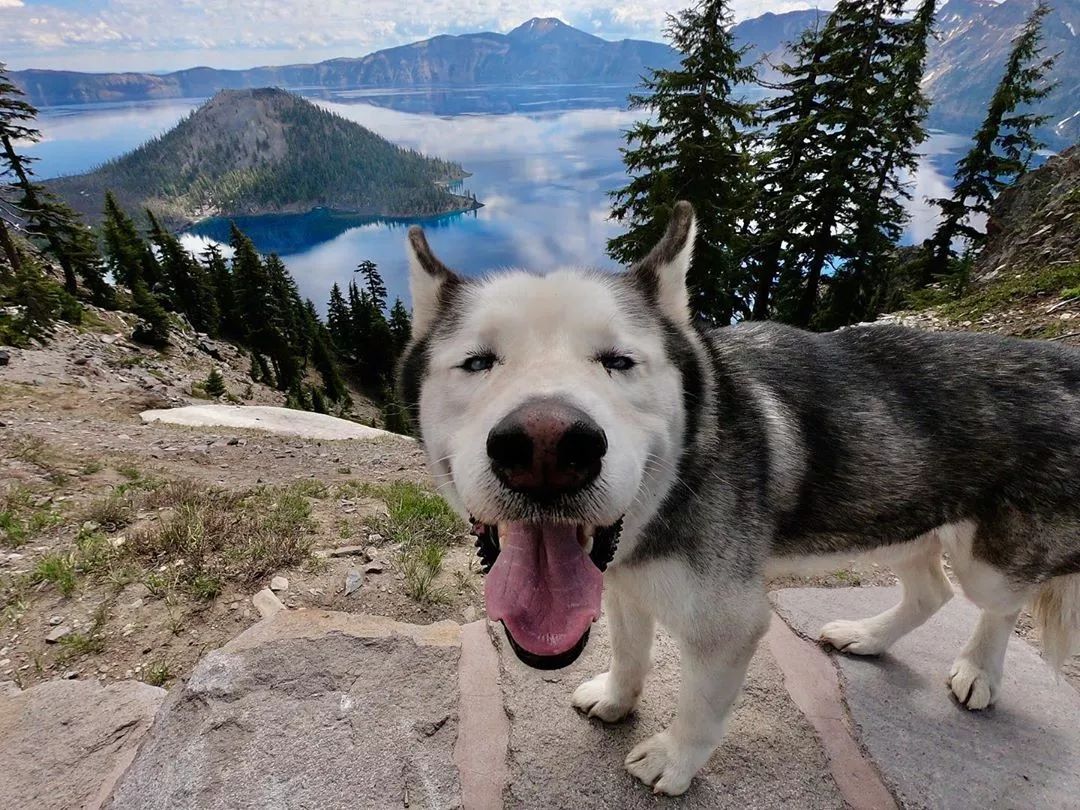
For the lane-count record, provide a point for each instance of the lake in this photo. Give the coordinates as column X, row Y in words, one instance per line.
column 542, row 160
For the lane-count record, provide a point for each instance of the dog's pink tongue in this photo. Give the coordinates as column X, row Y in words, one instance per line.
column 543, row 587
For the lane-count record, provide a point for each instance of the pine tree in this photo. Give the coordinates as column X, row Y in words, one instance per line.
column 1002, row 148
column 371, row 338
column 187, row 280
column 153, row 326
column 860, row 288
column 36, row 302
column 337, row 319
column 214, row 385
column 395, row 415
column 128, row 256
column 846, row 122
column 317, row 400
column 282, row 314
column 250, row 284
column 46, row 218
column 696, row 146
column 322, row 358
column 373, row 283
column 221, row 282
column 133, row 264
column 400, row 327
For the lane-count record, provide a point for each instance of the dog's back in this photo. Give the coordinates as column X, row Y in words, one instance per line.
column 898, row 432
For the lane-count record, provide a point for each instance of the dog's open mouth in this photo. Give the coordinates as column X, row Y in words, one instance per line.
column 544, row 582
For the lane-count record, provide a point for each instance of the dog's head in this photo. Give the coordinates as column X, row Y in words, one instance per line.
column 551, row 408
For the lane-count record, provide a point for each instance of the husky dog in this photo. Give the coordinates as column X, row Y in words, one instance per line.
column 583, row 420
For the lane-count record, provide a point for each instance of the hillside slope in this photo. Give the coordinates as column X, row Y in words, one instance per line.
column 1026, row 279
column 267, row 151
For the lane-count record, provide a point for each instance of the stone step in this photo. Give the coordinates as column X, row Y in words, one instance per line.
column 334, row 710
column 64, row 744
column 1020, row 753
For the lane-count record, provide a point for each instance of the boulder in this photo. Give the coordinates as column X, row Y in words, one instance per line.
column 309, row 709
column 65, row 743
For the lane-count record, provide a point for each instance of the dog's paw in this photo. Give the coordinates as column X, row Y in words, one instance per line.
column 597, row 699
column 660, row 763
column 855, row 637
column 973, row 686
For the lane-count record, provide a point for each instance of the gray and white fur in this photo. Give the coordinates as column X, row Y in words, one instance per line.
column 738, row 453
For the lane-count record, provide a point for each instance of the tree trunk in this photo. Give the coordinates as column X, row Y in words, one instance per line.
column 765, row 278
column 9, row 248
column 808, row 299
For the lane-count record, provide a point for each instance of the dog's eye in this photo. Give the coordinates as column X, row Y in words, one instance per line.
column 613, row 361
column 479, row 362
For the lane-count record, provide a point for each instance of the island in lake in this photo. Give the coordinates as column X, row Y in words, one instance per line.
column 268, row 151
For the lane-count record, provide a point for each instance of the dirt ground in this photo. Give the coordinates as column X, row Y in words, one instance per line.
column 86, row 509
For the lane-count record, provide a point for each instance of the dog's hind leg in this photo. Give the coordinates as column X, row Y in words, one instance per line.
column 612, row 695
column 925, row 590
column 975, row 677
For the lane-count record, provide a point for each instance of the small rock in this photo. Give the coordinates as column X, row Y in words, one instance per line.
column 267, row 603
column 279, row 584
column 82, row 361
column 55, row 620
column 375, row 538
column 353, row 580
column 5, row 358
column 373, row 568
column 469, row 613
column 70, row 675
column 57, row 634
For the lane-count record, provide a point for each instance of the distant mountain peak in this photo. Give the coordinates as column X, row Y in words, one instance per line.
column 538, row 27
column 546, row 29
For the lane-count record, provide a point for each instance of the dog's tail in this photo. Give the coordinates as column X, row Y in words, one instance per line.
column 1056, row 609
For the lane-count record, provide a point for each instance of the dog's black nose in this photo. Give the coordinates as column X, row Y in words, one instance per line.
column 546, row 448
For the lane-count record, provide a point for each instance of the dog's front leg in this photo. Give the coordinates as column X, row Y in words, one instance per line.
column 611, row 695
column 715, row 655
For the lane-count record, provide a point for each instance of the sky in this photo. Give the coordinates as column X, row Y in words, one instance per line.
column 161, row 35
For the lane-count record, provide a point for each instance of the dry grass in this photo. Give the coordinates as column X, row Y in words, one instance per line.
column 206, row 536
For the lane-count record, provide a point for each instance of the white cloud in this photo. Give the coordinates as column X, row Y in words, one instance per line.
column 168, row 34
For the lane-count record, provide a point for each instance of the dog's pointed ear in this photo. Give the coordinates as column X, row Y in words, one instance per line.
column 661, row 275
column 428, row 280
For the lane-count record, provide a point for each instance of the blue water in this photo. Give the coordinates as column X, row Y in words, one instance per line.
column 542, row 159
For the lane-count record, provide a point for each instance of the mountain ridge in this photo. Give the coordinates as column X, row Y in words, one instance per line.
column 963, row 64
column 544, row 50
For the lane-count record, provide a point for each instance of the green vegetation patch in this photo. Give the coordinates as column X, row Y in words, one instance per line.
column 425, row 526
column 22, row 519
column 1059, row 282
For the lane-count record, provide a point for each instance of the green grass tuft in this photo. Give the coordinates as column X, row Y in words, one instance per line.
column 58, row 570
